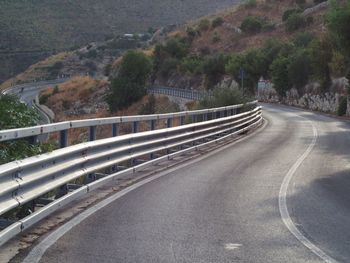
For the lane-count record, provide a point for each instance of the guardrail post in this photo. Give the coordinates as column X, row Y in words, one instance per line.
column 135, row 127
column 153, row 127
column 114, row 129
column 182, row 120
column 194, row 118
column 92, row 133
column 153, row 124
column 170, row 123
column 225, row 113
column 205, row 116
column 63, row 138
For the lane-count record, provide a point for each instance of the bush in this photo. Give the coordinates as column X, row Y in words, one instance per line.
column 251, row 25
column 250, row 4
column 44, row 98
column 290, row 12
column 268, row 27
column 149, row 107
column 191, row 65
column 343, row 104
column 204, row 25
column 55, row 90
column 14, row 114
column 223, row 97
column 303, row 39
column 217, row 22
column 169, row 65
column 66, row 104
column 176, row 48
column 216, row 38
column 295, row 22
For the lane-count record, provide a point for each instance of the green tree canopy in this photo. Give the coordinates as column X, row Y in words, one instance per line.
column 129, row 85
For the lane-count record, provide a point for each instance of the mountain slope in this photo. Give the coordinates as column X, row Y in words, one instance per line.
column 42, row 27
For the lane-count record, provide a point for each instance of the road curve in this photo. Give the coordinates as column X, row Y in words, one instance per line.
column 28, row 92
column 226, row 207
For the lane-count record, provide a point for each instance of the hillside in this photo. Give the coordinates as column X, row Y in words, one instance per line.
column 31, row 30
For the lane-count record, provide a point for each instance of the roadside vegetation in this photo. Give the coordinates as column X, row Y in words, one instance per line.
column 14, row 114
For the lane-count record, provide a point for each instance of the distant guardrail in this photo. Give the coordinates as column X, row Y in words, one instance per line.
column 23, row 182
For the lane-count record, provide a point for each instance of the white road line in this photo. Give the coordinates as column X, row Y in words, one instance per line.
column 282, row 200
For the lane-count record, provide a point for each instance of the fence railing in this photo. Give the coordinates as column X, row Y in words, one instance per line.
column 22, row 182
column 180, row 93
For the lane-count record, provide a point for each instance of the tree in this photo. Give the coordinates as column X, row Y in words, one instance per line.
column 321, row 52
column 299, row 69
column 214, row 68
column 129, row 85
column 279, row 71
column 338, row 21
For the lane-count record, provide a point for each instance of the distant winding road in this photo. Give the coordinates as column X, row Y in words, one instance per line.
column 28, row 92
column 283, row 195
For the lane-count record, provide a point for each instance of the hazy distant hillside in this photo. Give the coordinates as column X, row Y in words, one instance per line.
column 40, row 26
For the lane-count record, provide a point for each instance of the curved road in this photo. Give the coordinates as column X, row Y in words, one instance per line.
column 28, row 92
column 225, row 207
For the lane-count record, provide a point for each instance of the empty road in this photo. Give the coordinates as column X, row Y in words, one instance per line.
column 263, row 199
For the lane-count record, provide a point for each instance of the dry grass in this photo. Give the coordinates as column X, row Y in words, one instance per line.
column 36, row 71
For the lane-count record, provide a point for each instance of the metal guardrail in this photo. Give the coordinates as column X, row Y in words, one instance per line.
column 26, row 180
column 92, row 124
column 180, row 93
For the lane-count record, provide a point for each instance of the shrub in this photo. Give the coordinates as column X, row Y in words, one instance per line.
column 216, row 38
column 149, row 107
column 303, row 39
column 268, row 27
column 204, row 25
column 169, row 65
column 55, row 90
column 343, row 104
column 192, row 65
column 251, row 25
column 223, row 97
column 217, row 22
column 14, row 114
column 250, row 4
column 66, row 104
column 295, row 22
column 44, row 98
column 191, row 32
column 290, row 12
column 309, row 20
column 176, row 48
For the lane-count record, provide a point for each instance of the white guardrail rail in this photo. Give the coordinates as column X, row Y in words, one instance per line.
column 30, row 180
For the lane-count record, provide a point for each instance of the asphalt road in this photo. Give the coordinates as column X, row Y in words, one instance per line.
column 225, row 208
